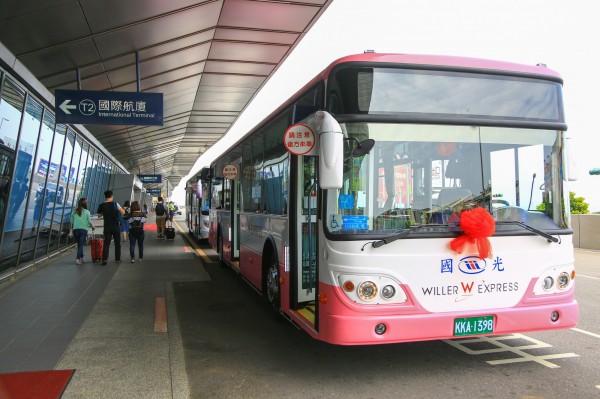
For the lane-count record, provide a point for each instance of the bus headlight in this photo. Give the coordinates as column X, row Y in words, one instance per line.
column 563, row 280
column 548, row 283
column 367, row 291
column 371, row 289
column 555, row 280
column 388, row 292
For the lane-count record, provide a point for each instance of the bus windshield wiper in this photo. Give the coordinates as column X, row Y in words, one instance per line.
column 404, row 233
column 532, row 229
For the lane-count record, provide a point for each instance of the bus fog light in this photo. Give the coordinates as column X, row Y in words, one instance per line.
column 548, row 283
column 348, row 286
column 563, row 280
column 380, row 329
column 388, row 292
column 367, row 291
column 554, row 316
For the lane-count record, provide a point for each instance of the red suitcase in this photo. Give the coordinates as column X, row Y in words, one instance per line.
column 97, row 244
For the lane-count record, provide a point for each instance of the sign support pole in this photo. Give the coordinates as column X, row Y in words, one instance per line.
column 78, row 79
column 137, row 69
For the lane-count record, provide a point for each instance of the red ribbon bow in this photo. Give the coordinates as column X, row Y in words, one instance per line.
column 477, row 225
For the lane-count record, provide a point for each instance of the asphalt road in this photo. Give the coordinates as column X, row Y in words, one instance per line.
column 235, row 347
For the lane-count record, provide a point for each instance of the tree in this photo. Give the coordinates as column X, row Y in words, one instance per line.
column 578, row 206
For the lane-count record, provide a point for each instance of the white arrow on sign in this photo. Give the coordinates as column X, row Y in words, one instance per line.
column 66, row 107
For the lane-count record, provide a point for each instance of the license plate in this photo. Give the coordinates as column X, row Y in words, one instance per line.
column 473, row 325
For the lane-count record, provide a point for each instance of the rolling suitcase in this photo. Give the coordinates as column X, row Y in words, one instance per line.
column 97, row 245
column 170, row 231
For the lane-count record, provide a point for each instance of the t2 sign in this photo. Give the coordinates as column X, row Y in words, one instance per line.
column 108, row 107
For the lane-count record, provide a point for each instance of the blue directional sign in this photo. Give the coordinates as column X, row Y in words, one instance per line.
column 150, row 178
column 355, row 222
column 108, row 107
column 153, row 191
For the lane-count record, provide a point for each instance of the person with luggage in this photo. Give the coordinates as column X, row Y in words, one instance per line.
column 161, row 215
column 136, row 231
column 125, row 222
column 80, row 222
column 171, row 207
column 110, row 210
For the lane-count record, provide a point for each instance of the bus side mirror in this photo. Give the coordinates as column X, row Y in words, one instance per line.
column 331, row 152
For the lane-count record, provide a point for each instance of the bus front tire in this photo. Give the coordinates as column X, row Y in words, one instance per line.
column 272, row 290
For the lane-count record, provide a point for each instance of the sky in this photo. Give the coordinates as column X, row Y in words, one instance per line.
column 563, row 35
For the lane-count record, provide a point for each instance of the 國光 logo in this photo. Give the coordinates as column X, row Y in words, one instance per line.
column 472, row 265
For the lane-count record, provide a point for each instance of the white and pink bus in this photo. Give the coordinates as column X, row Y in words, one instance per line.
column 344, row 205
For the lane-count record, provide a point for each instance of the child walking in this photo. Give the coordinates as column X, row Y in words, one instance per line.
column 125, row 223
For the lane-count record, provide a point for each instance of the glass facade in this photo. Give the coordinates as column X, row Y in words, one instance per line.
column 44, row 169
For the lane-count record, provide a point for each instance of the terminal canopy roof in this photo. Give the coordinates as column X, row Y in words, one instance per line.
column 208, row 58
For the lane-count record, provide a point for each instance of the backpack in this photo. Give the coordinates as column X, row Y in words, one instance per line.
column 160, row 209
column 136, row 226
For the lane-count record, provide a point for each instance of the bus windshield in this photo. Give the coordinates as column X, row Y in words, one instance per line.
column 427, row 174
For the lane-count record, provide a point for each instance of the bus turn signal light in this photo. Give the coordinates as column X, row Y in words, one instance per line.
column 348, row 286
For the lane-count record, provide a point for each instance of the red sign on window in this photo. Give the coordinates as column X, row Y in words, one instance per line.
column 230, row 171
column 299, row 139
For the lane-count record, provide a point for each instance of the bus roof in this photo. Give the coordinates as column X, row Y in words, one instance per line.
column 447, row 61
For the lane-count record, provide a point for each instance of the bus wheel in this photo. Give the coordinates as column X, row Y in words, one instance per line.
column 272, row 280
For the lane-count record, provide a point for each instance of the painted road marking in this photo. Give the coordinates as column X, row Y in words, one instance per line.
column 517, row 350
column 199, row 251
column 160, row 315
column 204, row 256
column 586, row 332
column 178, row 226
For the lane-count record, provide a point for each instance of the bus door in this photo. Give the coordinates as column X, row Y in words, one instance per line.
column 235, row 220
column 305, row 275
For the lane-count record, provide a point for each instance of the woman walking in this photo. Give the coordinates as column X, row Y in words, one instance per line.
column 136, row 231
column 125, row 223
column 80, row 222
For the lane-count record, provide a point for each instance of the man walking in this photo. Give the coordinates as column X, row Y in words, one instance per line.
column 109, row 210
column 161, row 218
